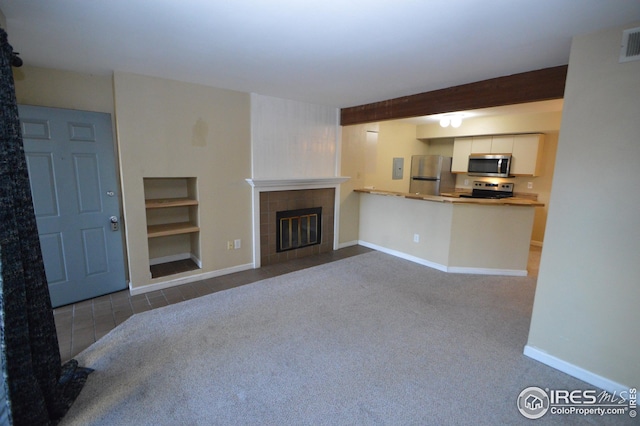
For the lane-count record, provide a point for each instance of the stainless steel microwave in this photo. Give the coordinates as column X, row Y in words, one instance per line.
column 494, row 165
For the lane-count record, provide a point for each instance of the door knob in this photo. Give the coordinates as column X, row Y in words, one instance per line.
column 114, row 223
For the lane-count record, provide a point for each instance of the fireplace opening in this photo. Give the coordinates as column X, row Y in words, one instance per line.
column 298, row 228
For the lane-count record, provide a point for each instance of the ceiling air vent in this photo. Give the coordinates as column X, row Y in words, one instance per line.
column 630, row 50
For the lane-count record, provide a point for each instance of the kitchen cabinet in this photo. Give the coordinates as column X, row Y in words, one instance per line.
column 172, row 219
column 502, row 144
column 481, row 145
column 461, row 152
column 499, row 144
column 463, row 147
column 526, row 157
column 526, row 151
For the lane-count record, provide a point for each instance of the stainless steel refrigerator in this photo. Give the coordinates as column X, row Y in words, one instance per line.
column 431, row 174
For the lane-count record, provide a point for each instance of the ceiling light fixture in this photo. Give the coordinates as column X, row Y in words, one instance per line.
column 455, row 120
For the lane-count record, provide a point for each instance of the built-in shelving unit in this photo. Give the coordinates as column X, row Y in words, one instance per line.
column 163, row 203
column 164, row 230
column 172, row 225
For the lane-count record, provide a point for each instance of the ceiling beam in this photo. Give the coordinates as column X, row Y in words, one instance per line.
column 541, row 85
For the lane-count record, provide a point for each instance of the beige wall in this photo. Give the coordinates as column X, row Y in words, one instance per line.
column 502, row 242
column 354, row 139
column 585, row 316
column 389, row 222
column 63, row 89
column 542, row 186
column 173, row 129
column 367, row 158
column 493, row 125
column 395, row 140
column 442, row 146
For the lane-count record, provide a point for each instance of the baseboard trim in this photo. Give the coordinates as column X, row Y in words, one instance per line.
column 573, row 370
column 171, row 258
column 175, row 258
column 185, row 280
column 347, row 244
column 196, row 260
column 405, row 256
column 487, row 271
column 444, row 268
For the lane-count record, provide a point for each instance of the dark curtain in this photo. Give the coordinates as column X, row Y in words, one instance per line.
column 36, row 389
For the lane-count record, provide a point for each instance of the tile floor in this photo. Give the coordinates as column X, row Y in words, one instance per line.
column 81, row 324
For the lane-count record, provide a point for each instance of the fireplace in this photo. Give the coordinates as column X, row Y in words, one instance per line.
column 273, row 195
column 298, row 228
column 307, row 225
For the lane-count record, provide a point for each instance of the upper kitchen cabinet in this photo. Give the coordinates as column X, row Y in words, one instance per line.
column 461, row 152
column 502, row 144
column 481, row 145
column 463, row 147
column 526, row 151
column 527, row 155
column 499, row 144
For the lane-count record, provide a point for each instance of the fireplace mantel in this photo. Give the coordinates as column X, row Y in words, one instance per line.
column 296, row 183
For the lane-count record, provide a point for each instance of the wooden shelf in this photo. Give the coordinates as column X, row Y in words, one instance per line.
column 162, row 203
column 167, row 229
column 171, row 207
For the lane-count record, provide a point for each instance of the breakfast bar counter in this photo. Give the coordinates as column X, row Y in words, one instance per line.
column 449, row 233
column 454, row 197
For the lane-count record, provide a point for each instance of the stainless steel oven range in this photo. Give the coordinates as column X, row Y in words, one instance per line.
column 490, row 190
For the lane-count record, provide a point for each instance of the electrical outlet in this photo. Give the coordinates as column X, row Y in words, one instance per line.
column 466, row 182
column 229, row 245
column 236, row 244
column 529, row 185
column 416, row 238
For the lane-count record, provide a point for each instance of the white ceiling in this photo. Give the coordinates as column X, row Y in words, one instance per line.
column 331, row 52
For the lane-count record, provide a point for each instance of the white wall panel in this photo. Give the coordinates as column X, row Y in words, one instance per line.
column 291, row 139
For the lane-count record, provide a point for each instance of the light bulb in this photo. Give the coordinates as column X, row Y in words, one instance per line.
column 444, row 121
column 456, row 121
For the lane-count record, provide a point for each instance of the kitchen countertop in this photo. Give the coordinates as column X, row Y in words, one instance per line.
column 455, row 198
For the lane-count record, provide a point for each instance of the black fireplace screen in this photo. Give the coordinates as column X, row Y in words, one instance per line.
column 298, row 228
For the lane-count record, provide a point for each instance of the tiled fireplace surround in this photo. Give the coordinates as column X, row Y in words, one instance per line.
column 279, row 194
column 275, row 201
